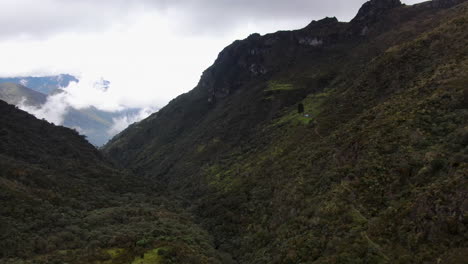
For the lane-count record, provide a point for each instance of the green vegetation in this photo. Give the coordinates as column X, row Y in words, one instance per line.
column 62, row 202
column 276, row 86
column 150, row 257
column 375, row 174
column 312, row 107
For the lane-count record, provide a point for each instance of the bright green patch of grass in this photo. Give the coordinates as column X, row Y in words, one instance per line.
column 312, row 108
column 277, row 86
column 115, row 252
column 150, row 257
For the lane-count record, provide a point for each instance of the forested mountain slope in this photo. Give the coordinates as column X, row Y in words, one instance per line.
column 62, row 202
column 373, row 171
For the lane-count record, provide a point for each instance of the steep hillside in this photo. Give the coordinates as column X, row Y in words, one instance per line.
column 62, row 202
column 373, row 171
column 18, row 94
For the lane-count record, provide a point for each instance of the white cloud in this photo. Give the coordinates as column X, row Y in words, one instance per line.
column 24, row 82
column 123, row 122
column 54, row 110
column 146, row 64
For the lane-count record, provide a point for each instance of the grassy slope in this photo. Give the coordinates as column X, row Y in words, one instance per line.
column 377, row 175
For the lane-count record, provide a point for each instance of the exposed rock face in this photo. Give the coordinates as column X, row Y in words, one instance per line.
column 256, row 56
column 259, row 55
column 311, row 41
column 371, row 10
column 235, row 65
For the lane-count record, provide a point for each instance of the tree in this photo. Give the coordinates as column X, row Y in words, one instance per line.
column 300, row 108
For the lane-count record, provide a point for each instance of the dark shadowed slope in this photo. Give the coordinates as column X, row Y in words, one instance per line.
column 377, row 171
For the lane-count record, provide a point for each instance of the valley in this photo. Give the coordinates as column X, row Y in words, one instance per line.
column 342, row 142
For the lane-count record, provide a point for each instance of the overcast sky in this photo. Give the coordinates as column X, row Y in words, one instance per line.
column 150, row 50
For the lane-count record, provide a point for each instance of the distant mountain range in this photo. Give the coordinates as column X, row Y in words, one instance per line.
column 31, row 94
column 14, row 93
column 45, row 85
column 96, row 124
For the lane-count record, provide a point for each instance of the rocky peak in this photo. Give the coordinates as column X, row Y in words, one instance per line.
column 323, row 22
column 371, row 10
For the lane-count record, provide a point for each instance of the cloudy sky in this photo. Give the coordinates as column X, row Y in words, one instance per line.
column 150, row 50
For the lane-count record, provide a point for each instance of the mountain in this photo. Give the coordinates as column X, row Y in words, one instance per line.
column 45, row 85
column 91, row 122
column 18, row 94
column 96, row 124
column 61, row 201
column 372, row 171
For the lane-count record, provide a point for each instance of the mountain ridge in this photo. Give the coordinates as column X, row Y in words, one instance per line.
column 335, row 143
column 213, row 87
column 277, row 186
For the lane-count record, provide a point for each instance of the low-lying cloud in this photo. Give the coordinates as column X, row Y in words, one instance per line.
column 77, row 97
column 120, row 123
column 54, row 109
